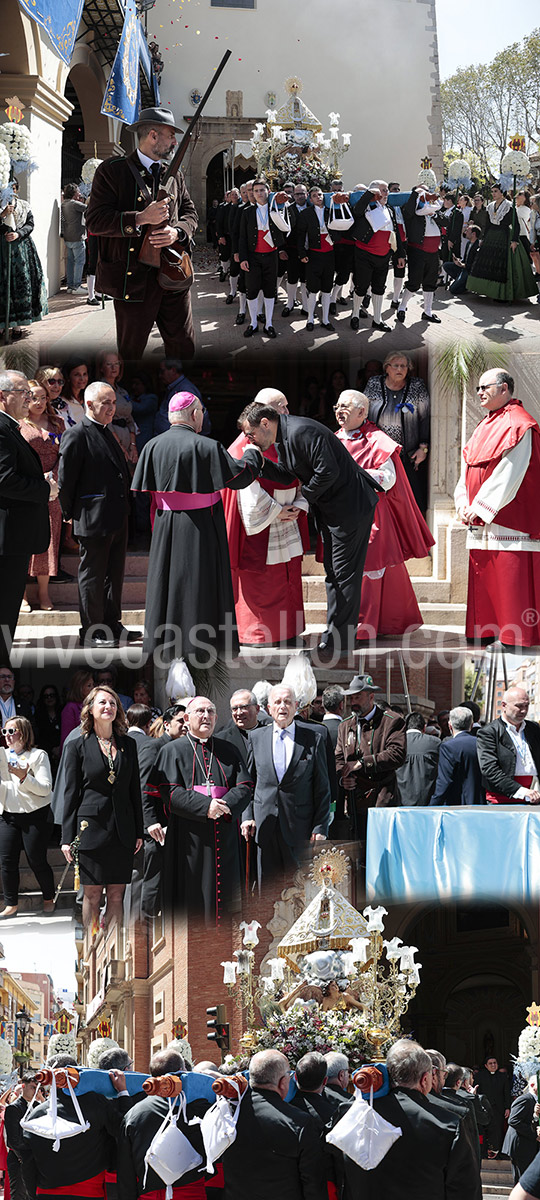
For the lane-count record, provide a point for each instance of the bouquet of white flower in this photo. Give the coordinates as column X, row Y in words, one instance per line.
column 97, row 1048
column 17, row 140
column 6, row 1057
column 515, row 162
column 61, row 1043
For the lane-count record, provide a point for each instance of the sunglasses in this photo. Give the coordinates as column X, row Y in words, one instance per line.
column 10, row 732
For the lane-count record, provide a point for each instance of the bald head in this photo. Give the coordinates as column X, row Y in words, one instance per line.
column 282, row 704
column 269, row 1069
column 515, row 705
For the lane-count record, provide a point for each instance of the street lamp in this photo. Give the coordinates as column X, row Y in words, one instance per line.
column 24, row 1021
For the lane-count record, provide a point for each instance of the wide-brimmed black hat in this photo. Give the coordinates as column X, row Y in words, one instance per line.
column 157, row 116
column 361, row 683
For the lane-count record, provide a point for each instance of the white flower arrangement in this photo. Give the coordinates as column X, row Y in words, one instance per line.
column 5, row 167
column 515, row 162
column 183, row 1047
column 89, row 169
column 17, row 140
column 459, row 170
column 61, row 1043
column 97, row 1048
column 427, row 178
column 529, row 1042
column 6, row 1057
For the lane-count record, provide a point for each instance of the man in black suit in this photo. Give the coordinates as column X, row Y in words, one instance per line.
column 460, row 268
column 148, row 749
column 143, row 1122
column 260, row 246
column 509, row 753
column 337, row 1069
column 432, row 1159
column 296, row 270
column 459, row 778
column 315, row 1099
column 94, row 484
column 13, row 1135
column 24, row 503
column 277, row 1151
column 521, row 1140
column 245, row 716
column 342, row 499
column 494, row 1083
column 77, row 1167
column 415, row 780
column 291, row 803
column 333, row 702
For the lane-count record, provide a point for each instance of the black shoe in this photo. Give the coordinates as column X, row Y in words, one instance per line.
column 95, row 303
column 333, row 308
column 98, row 641
column 286, row 312
column 222, row 276
column 433, row 320
column 129, row 635
column 62, row 577
column 270, row 331
column 240, row 319
column 362, row 312
column 261, row 317
column 394, row 304
column 343, row 301
column 380, row 325
column 366, row 300
column 304, row 312
column 230, row 300
column 354, row 323
column 251, row 331
column 310, row 326
column 327, row 325
column 400, row 316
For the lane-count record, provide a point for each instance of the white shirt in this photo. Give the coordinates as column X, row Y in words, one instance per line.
column 146, row 162
column 525, row 764
column 288, row 741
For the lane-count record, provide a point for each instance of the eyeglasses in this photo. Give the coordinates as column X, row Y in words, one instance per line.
column 484, row 387
column 10, row 732
column 23, row 391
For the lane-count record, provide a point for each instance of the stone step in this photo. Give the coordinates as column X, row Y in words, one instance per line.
column 443, row 614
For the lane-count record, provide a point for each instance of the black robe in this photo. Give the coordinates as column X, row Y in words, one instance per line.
column 202, row 866
column 189, row 600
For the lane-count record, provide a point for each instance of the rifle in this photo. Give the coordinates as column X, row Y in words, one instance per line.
column 150, row 255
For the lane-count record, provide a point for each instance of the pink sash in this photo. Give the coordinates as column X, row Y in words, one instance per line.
column 184, row 501
column 215, row 794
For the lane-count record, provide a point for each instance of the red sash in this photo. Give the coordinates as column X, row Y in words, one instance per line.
column 262, row 246
column 94, row 1187
column 190, row 1191
column 498, row 798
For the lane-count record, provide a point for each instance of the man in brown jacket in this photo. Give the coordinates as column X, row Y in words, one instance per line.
column 371, row 745
column 122, row 203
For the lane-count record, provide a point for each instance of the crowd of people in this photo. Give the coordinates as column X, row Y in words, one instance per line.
column 93, row 448
column 218, row 808
column 229, row 528
column 287, row 1132
column 338, row 249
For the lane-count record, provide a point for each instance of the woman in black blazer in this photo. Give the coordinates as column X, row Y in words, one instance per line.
column 102, row 788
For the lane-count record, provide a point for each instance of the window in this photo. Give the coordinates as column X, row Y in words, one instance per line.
column 232, row 3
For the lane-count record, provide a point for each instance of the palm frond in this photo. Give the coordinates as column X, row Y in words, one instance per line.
column 19, row 358
column 459, row 361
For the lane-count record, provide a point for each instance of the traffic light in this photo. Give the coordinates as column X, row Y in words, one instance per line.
column 218, row 1028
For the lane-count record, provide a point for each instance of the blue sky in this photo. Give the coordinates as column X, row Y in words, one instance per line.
column 473, row 31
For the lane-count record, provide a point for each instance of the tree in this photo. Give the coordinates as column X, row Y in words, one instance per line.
column 484, row 106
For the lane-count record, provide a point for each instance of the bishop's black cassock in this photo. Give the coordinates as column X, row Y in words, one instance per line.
column 202, row 865
column 189, row 600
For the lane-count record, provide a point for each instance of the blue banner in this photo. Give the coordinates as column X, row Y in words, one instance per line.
column 60, row 19
column 122, row 95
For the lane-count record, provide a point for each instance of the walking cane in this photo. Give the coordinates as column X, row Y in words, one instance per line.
column 8, row 295
column 248, row 855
